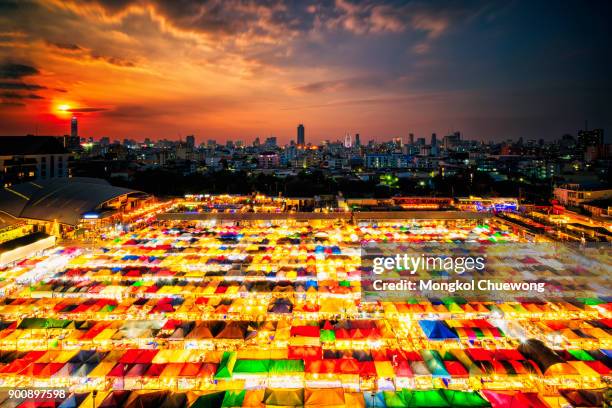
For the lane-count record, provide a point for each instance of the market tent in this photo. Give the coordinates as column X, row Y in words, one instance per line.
column 437, row 330
column 115, row 399
column 424, row 399
column 461, row 399
column 354, row 400
column 284, row 397
column 286, row 366
column 374, row 400
column 174, row 400
column 513, row 399
column 74, row 400
column 434, row 363
column 249, row 366
column 537, row 351
column 226, row 366
column 583, row 398
column 209, row 400
column 328, row 397
column 233, row 398
column 394, row 399
column 253, row 398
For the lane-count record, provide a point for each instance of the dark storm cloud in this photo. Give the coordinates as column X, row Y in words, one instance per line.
column 12, row 104
column 65, row 46
column 135, row 111
column 77, row 51
column 21, row 85
column 16, row 95
column 85, row 110
column 277, row 17
column 16, row 71
column 120, row 62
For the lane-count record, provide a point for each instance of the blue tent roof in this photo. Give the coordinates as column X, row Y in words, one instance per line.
column 437, row 330
column 374, row 400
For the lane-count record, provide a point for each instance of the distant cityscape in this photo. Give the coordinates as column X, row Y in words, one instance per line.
column 416, row 164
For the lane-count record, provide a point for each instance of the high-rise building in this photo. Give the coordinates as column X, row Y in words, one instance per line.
column 434, row 140
column 271, row 142
column 357, row 140
column 74, row 127
column 593, row 137
column 451, row 141
column 190, row 140
column 301, row 137
column 348, row 142
column 411, row 138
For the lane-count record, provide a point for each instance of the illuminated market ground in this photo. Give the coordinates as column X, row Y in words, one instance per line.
column 204, row 314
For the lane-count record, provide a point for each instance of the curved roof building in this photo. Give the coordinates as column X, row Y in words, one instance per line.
column 65, row 200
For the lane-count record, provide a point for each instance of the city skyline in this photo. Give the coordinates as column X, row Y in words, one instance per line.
column 222, row 71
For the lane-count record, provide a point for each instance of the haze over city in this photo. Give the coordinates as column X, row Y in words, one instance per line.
column 237, row 70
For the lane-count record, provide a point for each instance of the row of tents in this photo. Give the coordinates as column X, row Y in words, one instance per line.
column 308, row 397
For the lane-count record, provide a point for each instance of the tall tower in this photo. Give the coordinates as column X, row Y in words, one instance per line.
column 301, row 139
column 74, row 127
column 348, row 141
column 357, row 140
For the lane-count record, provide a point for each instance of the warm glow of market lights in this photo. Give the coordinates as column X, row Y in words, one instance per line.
column 259, row 306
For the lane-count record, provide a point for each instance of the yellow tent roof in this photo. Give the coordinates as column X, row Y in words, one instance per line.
column 384, row 369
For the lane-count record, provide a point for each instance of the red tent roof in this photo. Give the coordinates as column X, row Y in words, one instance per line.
column 305, row 331
column 456, row 369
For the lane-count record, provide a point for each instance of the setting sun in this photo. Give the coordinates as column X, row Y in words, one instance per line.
column 63, row 108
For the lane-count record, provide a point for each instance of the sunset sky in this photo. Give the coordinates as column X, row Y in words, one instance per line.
column 240, row 69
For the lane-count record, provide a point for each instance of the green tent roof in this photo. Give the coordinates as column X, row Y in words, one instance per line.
column 42, row 323
column 462, row 399
column 425, row 399
column 233, row 398
column 591, row 301
column 226, row 367
column 248, row 366
column 286, row 366
column 581, row 355
column 328, row 336
column 394, row 399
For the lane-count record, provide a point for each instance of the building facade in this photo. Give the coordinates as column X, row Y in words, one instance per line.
column 32, row 158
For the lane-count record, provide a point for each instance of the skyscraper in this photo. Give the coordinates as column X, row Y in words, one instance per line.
column 593, row 137
column 357, row 140
column 411, row 138
column 301, row 139
column 434, row 140
column 348, row 141
column 74, row 127
column 190, row 140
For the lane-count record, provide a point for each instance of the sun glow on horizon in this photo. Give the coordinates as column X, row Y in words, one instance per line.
column 62, row 109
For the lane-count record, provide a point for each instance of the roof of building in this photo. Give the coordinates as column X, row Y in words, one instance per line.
column 64, row 200
column 7, row 221
column 29, row 145
column 602, row 203
column 22, row 241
